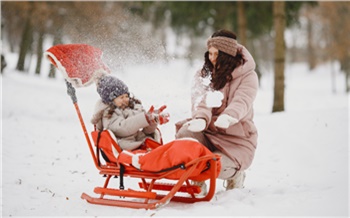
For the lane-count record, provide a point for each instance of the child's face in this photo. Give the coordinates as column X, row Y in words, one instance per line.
column 122, row 101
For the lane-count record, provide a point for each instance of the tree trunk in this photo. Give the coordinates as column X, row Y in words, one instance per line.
column 347, row 81
column 310, row 47
column 279, row 25
column 345, row 67
column 39, row 52
column 242, row 24
column 26, row 43
column 57, row 40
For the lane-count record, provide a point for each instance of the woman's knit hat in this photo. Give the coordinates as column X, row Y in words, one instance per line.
column 224, row 44
column 110, row 87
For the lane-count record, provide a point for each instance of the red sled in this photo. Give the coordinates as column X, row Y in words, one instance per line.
column 154, row 189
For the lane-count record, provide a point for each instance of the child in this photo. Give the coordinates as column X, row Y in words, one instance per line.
column 124, row 115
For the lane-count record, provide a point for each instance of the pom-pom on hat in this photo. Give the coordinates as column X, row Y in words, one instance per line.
column 110, row 87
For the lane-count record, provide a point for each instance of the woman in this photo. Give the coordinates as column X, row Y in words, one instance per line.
column 225, row 127
column 124, row 115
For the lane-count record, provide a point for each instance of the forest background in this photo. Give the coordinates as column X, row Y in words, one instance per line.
column 137, row 32
column 301, row 166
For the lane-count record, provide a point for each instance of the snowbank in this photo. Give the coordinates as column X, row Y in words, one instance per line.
column 301, row 166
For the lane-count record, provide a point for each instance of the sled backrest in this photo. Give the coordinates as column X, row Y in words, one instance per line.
column 106, row 142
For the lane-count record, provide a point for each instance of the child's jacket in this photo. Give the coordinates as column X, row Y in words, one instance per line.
column 130, row 126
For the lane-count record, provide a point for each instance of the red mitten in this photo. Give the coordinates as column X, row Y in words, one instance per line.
column 150, row 116
column 160, row 110
column 162, row 117
column 157, row 116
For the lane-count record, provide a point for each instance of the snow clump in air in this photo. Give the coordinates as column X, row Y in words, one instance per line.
column 214, row 99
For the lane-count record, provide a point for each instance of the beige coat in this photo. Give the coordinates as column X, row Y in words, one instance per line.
column 130, row 126
column 239, row 141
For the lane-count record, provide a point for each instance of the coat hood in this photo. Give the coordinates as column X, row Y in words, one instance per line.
column 100, row 107
column 248, row 66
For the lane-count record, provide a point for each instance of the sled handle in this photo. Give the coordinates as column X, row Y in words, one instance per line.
column 71, row 93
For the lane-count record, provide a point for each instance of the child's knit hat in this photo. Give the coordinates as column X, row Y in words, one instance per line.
column 110, row 87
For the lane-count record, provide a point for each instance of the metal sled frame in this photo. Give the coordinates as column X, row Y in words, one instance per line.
column 151, row 194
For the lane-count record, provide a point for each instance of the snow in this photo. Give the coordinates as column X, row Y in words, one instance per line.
column 301, row 167
column 214, row 99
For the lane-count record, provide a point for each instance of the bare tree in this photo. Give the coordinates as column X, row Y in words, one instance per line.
column 279, row 25
column 26, row 39
column 242, row 23
column 335, row 20
column 308, row 13
column 42, row 12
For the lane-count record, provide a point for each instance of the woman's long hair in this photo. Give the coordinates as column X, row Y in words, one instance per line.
column 225, row 64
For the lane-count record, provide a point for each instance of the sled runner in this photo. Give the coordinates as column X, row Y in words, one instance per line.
column 164, row 171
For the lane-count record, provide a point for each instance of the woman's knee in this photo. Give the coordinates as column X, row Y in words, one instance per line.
column 228, row 166
column 183, row 132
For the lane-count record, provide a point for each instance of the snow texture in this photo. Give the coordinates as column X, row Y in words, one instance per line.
column 214, row 99
column 201, row 90
column 301, row 167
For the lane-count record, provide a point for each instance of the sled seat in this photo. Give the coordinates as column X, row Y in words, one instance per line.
column 155, row 189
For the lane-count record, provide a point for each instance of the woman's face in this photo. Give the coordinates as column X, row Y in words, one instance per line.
column 122, row 101
column 213, row 54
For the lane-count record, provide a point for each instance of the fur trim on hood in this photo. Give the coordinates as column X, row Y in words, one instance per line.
column 100, row 107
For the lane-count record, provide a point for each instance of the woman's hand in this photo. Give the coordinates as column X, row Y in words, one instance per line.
column 196, row 125
column 224, row 121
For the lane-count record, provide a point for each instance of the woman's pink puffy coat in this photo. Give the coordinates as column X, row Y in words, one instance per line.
column 239, row 141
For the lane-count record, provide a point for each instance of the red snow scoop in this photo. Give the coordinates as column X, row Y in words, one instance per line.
column 80, row 64
column 155, row 189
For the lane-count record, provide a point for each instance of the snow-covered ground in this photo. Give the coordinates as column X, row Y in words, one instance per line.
column 301, row 166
